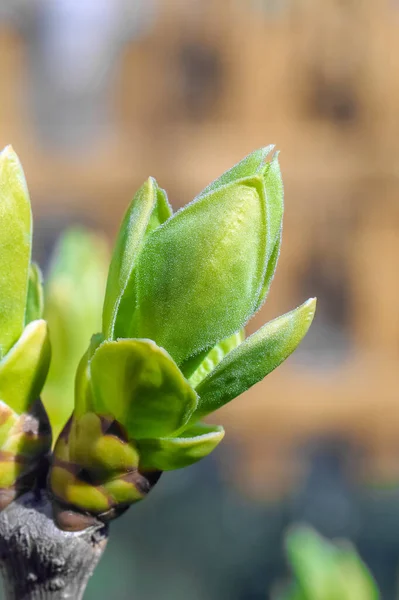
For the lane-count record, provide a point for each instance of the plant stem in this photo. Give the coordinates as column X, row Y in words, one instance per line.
column 38, row 561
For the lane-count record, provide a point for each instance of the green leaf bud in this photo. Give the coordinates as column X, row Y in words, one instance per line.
column 209, row 256
column 180, row 290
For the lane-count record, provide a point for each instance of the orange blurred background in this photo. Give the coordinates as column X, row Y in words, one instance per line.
column 96, row 95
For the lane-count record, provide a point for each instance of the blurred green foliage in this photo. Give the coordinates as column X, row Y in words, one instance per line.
column 74, row 293
column 324, row 570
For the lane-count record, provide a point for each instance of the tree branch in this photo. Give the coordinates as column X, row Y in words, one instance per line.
column 38, row 561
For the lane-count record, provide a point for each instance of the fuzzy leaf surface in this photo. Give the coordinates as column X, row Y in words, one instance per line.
column 248, row 166
column 199, row 275
column 255, row 358
column 255, row 163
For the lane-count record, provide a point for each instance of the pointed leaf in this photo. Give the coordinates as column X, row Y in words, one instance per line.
column 23, row 370
column 166, row 454
column 15, row 248
column 248, row 166
column 199, row 275
column 34, row 304
column 255, row 358
column 139, row 385
column 147, row 211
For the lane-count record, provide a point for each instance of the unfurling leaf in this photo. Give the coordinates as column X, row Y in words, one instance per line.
column 198, row 367
column 255, row 358
column 166, row 454
column 139, row 384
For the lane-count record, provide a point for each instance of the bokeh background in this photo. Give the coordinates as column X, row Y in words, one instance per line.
column 95, row 95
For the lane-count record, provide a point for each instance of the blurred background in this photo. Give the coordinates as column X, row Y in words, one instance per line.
column 96, row 95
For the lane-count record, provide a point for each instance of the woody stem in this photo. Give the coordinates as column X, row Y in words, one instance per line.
column 38, row 561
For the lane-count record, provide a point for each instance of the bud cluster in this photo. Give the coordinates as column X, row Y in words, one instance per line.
column 172, row 350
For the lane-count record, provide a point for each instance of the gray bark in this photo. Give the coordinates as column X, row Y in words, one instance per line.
column 38, row 561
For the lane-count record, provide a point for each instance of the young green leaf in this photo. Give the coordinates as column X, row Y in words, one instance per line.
column 166, row 454
column 138, row 383
column 147, row 211
column 24, row 368
column 255, row 358
column 35, row 303
column 198, row 367
column 199, row 275
column 15, row 248
column 248, row 166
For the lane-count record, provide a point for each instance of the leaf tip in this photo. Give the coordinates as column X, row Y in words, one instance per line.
column 310, row 307
column 12, row 170
column 9, row 156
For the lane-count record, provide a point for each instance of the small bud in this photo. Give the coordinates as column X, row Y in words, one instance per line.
column 24, row 441
column 172, row 350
